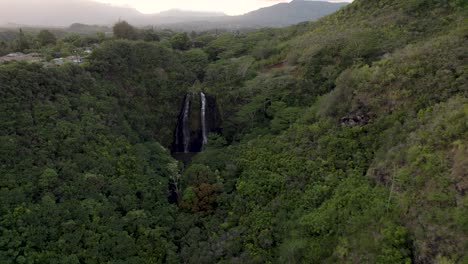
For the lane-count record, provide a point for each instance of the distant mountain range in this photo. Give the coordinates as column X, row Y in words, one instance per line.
column 285, row 14
column 59, row 13
column 279, row 15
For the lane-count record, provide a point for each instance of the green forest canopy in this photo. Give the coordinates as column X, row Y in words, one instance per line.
column 344, row 140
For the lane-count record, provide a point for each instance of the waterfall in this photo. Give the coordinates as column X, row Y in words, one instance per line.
column 203, row 118
column 198, row 117
column 186, row 124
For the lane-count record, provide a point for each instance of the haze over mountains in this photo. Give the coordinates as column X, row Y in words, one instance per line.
column 58, row 13
column 279, row 15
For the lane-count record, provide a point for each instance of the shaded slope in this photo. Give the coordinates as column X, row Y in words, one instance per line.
column 286, row 14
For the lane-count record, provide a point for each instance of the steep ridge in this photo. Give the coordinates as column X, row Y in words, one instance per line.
column 286, row 14
column 307, row 185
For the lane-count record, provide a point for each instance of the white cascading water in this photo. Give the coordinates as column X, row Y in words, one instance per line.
column 186, row 125
column 203, row 117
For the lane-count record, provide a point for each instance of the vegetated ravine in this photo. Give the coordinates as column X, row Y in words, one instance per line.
column 339, row 141
column 199, row 116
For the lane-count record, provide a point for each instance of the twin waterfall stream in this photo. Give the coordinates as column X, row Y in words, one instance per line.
column 203, row 117
column 198, row 117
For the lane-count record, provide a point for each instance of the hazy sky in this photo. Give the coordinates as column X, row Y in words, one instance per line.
column 230, row 7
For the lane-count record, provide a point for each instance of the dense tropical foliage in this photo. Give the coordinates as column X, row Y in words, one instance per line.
column 344, row 141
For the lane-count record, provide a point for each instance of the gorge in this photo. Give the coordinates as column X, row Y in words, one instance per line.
column 339, row 141
column 198, row 117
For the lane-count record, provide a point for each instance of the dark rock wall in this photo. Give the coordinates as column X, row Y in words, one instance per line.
column 212, row 119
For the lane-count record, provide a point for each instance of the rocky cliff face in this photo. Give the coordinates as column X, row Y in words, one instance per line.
column 199, row 116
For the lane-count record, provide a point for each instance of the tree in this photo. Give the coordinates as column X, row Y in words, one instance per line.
column 22, row 42
column 45, row 37
column 101, row 36
column 197, row 61
column 124, row 30
column 150, row 35
column 4, row 48
column 181, row 41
